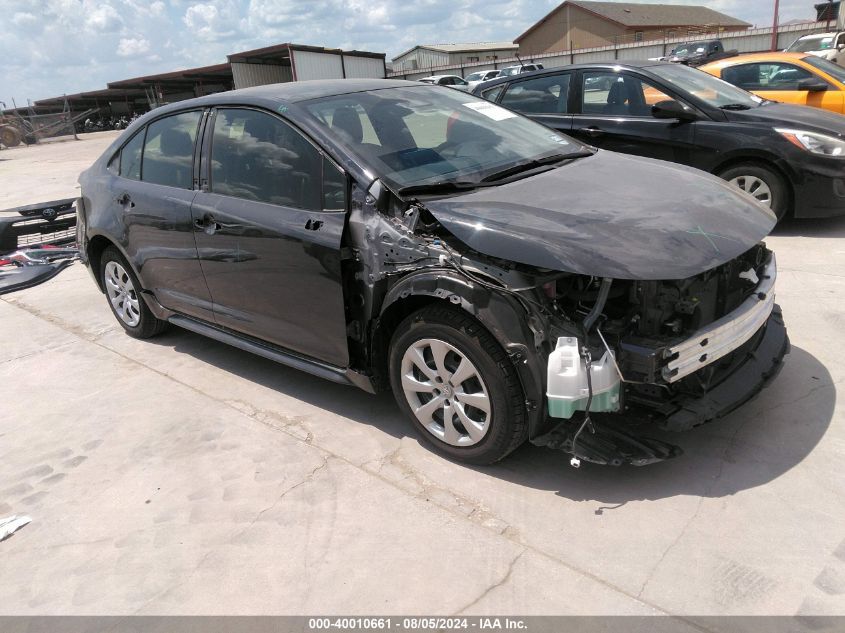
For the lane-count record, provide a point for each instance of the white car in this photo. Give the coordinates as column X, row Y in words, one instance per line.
column 517, row 70
column 482, row 75
column 825, row 45
column 453, row 81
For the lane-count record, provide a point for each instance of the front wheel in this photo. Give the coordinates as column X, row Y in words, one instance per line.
column 764, row 184
column 124, row 294
column 457, row 385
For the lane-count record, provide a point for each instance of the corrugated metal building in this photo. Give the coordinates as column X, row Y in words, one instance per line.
column 430, row 55
column 273, row 64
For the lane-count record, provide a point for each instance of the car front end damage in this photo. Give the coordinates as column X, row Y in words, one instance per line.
column 603, row 359
column 672, row 354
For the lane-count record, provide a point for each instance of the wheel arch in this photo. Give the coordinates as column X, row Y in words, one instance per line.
column 503, row 317
column 768, row 161
column 94, row 249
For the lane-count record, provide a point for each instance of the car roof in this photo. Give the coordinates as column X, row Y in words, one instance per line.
column 293, row 91
column 814, row 36
column 626, row 64
column 755, row 57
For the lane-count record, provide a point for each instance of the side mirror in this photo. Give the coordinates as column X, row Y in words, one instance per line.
column 811, row 84
column 671, row 109
column 839, row 47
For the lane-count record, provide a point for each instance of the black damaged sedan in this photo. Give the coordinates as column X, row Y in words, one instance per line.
column 506, row 282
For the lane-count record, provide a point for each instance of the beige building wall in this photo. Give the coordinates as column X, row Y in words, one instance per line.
column 587, row 30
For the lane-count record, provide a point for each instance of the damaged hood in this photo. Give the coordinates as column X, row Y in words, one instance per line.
column 610, row 215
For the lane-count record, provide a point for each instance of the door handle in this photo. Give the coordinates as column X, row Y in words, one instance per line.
column 592, row 131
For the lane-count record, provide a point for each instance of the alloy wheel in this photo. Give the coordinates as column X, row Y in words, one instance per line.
column 122, row 295
column 754, row 186
column 446, row 392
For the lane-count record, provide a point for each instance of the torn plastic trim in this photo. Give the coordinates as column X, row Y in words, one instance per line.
column 611, row 444
column 22, row 277
column 724, row 335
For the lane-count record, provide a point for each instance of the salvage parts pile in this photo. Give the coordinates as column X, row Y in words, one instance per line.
column 32, row 240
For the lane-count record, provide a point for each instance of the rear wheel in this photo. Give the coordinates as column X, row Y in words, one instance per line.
column 763, row 183
column 124, row 294
column 457, row 385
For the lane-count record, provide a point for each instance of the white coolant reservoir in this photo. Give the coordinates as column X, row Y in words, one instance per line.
column 567, row 390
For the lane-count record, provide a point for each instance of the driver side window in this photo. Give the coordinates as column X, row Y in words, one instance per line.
column 258, row 157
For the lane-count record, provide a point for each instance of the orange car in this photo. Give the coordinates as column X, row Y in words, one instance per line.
column 788, row 77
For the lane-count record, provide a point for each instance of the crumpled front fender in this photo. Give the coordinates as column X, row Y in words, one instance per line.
column 503, row 316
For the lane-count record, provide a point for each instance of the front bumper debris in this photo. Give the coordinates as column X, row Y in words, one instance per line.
column 761, row 363
column 724, row 335
column 610, row 443
column 30, row 267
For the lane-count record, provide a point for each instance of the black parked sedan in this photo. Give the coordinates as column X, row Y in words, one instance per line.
column 502, row 279
column 791, row 158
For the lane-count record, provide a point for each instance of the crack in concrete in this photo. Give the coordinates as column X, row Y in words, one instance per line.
column 499, row 583
column 274, row 420
column 308, row 478
column 39, row 351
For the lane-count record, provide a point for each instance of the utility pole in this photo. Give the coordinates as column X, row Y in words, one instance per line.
column 775, row 27
column 840, row 17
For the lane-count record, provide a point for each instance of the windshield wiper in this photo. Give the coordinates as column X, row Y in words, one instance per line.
column 451, row 186
column 735, row 106
column 533, row 164
column 440, row 187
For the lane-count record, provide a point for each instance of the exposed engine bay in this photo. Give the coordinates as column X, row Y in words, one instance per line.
column 636, row 353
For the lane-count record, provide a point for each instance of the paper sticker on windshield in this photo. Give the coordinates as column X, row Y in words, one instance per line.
column 491, row 110
column 554, row 138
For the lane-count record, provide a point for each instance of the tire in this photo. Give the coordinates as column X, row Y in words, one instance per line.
column 123, row 293
column 10, row 136
column 765, row 184
column 487, row 407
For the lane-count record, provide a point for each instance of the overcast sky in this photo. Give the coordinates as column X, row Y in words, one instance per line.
column 51, row 47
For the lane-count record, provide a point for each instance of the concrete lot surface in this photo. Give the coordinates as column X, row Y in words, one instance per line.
column 182, row 476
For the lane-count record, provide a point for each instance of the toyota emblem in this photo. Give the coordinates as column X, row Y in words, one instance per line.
column 49, row 213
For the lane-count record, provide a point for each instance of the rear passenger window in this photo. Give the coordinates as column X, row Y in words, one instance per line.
column 169, row 150
column 546, row 95
column 258, row 157
column 130, row 157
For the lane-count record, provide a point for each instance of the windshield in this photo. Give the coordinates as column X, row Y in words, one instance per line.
column 713, row 91
column 688, row 49
column 806, row 44
column 421, row 135
column 475, row 77
column 834, row 70
column 507, row 72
